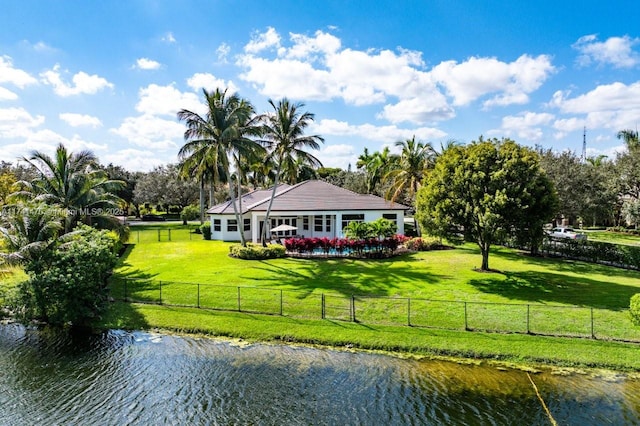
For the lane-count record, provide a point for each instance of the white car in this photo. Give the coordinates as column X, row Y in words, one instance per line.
column 562, row 232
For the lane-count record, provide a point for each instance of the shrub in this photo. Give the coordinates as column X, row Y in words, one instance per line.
column 422, row 243
column 256, row 251
column 68, row 283
column 634, row 308
column 205, row 228
column 190, row 213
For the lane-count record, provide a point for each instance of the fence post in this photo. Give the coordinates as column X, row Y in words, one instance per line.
column 322, row 307
column 593, row 334
column 353, row 308
column 239, row 310
column 409, row 312
column 280, row 302
column 466, row 324
column 198, row 295
column 160, row 282
column 528, row 329
column 158, row 235
column 169, row 234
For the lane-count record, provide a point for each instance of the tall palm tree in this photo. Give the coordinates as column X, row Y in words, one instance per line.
column 630, row 138
column 284, row 138
column 74, row 183
column 376, row 166
column 217, row 141
column 416, row 159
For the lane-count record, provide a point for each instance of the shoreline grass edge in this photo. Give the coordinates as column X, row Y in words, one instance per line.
column 519, row 349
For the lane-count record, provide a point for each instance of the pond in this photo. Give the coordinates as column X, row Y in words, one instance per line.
column 118, row 377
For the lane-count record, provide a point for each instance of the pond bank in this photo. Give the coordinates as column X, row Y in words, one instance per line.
column 518, row 349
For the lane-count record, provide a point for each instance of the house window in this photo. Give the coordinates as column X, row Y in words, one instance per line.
column 393, row 217
column 291, row 221
column 217, row 225
column 317, row 223
column 232, row 225
column 327, row 227
column 305, row 223
column 348, row 218
column 247, row 225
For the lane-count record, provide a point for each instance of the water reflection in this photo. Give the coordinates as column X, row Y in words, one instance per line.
column 48, row 377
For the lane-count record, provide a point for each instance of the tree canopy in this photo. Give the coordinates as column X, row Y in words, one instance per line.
column 486, row 191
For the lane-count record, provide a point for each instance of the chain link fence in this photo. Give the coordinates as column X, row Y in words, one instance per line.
column 539, row 319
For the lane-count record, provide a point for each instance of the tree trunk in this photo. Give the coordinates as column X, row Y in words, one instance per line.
column 263, row 237
column 239, row 220
column 484, row 249
column 202, row 202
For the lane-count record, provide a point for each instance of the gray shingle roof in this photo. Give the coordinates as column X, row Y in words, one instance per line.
column 310, row 195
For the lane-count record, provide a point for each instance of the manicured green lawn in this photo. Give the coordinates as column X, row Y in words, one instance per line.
column 539, row 295
column 614, row 237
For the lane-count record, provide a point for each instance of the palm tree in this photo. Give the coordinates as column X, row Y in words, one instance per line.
column 27, row 229
column 630, row 138
column 218, row 140
column 376, row 166
column 74, row 183
column 416, row 159
column 283, row 133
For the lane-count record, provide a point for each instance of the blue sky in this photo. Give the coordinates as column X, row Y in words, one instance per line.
column 110, row 76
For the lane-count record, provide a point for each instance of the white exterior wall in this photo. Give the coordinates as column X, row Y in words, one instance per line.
column 336, row 222
column 224, row 234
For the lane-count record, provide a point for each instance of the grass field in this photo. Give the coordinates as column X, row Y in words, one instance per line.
column 614, row 237
column 540, row 295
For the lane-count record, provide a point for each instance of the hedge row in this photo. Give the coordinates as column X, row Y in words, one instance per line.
column 594, row 251
column 256, row 251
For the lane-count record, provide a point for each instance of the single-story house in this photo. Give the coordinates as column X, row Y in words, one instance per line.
column 312, row 208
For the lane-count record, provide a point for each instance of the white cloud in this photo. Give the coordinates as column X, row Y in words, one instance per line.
column 151, row 132
column 374, row 133
column 223, row 51
column 14, row 76
column 338, row 155
column 83, row 83
column 318, row 68
column 17, row 122
column 419, row 110
column 134, row 159
column 612, row 106
column 477, row 77
column 527, row 125
column 262, row 41
column 168, row 38
column 7, row 95
column 45, row 141
column 617, row 51
column 167, row 100
column 147, row 64
column 79, row 120
column 210, row 82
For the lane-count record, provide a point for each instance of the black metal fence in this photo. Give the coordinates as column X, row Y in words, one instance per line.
column 529, row 318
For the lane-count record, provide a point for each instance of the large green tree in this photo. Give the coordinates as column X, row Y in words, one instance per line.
column 283, row 132
column 487, row 190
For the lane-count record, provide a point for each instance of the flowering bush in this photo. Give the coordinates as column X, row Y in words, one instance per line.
column 370, row 247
